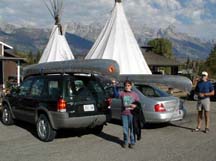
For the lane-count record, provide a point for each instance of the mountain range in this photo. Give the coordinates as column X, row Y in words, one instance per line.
column 81, row 37
column 28, row 39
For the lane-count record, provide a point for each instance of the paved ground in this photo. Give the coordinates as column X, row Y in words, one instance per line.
column 170, row 142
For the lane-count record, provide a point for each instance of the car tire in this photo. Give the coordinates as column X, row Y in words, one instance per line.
column 6, row 117
column 97, row 130
column 45, row 131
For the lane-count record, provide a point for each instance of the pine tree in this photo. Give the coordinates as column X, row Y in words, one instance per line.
column 162, row 46
column 38, row 56
column 210, row 62
column 30, row 58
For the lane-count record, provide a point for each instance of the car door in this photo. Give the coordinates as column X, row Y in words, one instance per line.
column 52, row 92
column 29, row 101
column 19, row 103
column 115, row 103
column 36, row 97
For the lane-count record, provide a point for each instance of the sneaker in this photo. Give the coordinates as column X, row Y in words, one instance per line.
column 196, row 130
column 131, row 146
column 139, row 138
column 206, row 130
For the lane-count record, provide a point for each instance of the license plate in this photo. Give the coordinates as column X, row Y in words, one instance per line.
column 170, row 109
column 89, row 107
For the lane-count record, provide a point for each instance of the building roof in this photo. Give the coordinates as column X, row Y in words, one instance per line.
column 153, row 59
column 11, row 58
column 6, row 46
column 9, row 55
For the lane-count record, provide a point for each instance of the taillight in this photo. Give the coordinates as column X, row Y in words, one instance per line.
column 159, row 108
column 61, row 106
column 109, row 101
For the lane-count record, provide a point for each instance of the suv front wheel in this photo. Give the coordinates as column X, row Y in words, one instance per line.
column 7, row 116
column 44, row 129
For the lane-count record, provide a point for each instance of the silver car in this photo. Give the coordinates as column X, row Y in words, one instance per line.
column 157, row 105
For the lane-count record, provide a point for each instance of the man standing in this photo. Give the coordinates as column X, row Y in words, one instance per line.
column 204, row 89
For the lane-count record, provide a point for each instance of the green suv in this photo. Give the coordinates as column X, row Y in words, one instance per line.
column 55, row 101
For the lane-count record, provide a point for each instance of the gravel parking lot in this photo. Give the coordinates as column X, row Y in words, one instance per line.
column 167, row 142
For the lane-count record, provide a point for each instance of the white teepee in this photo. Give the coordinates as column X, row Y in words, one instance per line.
column 57, row 48
column 117, row 42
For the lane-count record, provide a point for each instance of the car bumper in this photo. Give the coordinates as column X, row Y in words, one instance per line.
column 162, row 117
column 62, row 120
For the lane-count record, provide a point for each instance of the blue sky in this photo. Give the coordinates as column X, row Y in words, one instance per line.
column 195, row 17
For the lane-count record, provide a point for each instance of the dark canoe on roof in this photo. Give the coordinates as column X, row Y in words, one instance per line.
column 174, row 81
column 92, row 66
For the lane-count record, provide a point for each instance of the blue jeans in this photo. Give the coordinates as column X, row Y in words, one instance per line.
column 127, row 121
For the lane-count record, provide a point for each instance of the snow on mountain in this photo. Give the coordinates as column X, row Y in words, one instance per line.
column 81, row 38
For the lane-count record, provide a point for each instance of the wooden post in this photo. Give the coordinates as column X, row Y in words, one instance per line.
column 2, row 49
column 18, row 72
column 2, row 54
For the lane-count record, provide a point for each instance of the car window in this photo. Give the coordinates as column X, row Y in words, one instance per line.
column 148, row 91
column 77, row 88
column 70, row 90
column 25, row 87
column 161, row 93
column 97, row 90
column 37, row 88
column 152, row 91
column 94, row 86
column 54, row 89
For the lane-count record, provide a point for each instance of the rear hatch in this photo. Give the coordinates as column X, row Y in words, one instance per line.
column 81, row 100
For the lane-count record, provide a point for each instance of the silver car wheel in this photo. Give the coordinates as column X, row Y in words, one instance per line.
column 42, row 129
column 5, row 115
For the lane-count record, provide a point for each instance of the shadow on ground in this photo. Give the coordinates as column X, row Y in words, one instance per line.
column 63, row 133
column 67, row 133
column 110, row 138
column 146, row 126
column 181, row 123
column 180, row 126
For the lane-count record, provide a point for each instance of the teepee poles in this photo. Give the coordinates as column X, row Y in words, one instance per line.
column 55, row 8
column 57, row 48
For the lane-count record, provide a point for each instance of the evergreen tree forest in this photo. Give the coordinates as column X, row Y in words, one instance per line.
column 29, row 56
column 210, row 64
column 162, row 46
